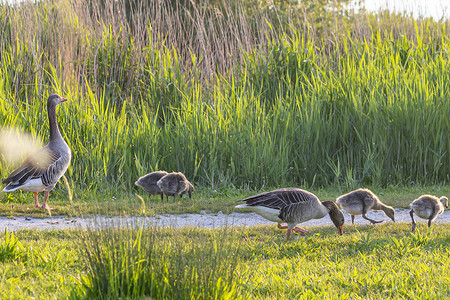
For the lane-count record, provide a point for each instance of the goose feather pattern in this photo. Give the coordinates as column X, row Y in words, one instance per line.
column 292, row 206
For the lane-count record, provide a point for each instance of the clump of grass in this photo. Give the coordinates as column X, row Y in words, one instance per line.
column 11, row 249
column 156, row 263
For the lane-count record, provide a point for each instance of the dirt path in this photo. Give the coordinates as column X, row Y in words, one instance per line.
column 206, row 220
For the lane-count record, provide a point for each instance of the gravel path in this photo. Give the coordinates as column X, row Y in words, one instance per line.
column 206, row 220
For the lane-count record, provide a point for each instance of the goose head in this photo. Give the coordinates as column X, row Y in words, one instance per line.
column 190, row 190
column 390, row 212
column 444, row 201
column 336, row 215
column 54, row 100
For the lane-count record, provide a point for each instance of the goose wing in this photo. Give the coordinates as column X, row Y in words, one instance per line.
column 281, row 198
column 42, row 163
column 297, row 212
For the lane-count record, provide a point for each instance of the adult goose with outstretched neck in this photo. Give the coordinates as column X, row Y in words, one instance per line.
column 293, row 206
column 43, row 168
column 427, row 207
column 360, row 201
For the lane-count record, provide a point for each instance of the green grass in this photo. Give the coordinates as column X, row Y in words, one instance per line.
column 43, row 265
column 382, row 261
column 367, row 262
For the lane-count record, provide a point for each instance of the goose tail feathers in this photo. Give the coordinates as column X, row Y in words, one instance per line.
column 241, row 206
column 11, row 187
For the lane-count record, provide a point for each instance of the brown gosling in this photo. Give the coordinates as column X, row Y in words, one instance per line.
column 360, row 201
column 427, row 207
column 293, row 206
column 148, row 183
column 174, row 184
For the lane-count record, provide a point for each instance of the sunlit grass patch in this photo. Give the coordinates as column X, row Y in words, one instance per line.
column 369, row 261
column 47, row 266
column 160, row 263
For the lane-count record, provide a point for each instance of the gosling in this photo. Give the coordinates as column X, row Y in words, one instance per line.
column 174, row 184
column 427, row 207
column 360, row 201
column 148, row 183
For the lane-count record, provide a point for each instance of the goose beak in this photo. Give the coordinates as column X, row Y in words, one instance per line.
column 341, row 229
column 63, row 99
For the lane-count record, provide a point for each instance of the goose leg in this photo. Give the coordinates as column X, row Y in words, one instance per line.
column 296, row 229
column 353, row 219
column 46, row 193
column 432, row 217
column 300, row 230
column 174, row 198
column 282, row 226
column 411, row 213
column 36, row 201
column 288, row 234
column 162, row 196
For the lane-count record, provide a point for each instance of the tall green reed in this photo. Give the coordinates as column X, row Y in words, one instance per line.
column 239, row 99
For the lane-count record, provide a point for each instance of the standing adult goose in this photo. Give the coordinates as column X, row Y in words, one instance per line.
column 360, row 201
column 174, row 184
column 293, row 206
column 148, row 183
column 427, row 207
column 42, row 169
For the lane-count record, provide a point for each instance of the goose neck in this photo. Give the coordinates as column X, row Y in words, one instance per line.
column 53, row 122
column 383, row 207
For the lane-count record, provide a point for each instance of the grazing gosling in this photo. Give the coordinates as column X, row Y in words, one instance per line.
column 293, row 206
column 148, row 183
column 174, row 184
column 360, row 201
column 427, row 207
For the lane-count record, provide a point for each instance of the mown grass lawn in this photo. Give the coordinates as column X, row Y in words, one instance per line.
column 367, row 262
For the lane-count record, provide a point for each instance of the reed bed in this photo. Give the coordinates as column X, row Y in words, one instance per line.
column 231, row 94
